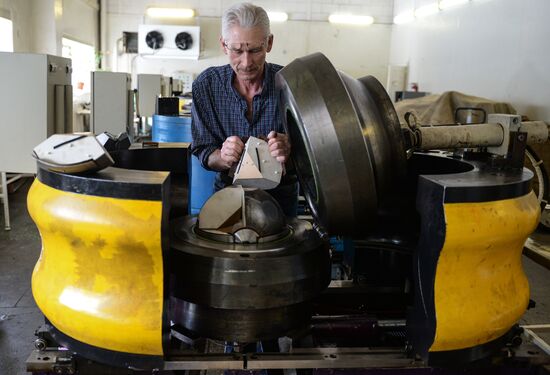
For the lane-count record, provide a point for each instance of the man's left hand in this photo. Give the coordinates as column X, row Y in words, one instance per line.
column 279, row 146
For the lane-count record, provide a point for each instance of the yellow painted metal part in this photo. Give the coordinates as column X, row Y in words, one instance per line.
column 99, row 278
column 480, row 288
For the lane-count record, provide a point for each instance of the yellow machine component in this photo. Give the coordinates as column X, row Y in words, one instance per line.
column 99, row 278
column 480, row 288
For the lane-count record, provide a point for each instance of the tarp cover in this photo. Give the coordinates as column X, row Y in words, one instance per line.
column 440, row 109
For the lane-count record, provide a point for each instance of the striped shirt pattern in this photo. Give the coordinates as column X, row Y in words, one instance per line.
column 219, row 111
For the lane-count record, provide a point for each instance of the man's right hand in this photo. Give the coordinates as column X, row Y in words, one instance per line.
column 231, row 150
column 229, row 154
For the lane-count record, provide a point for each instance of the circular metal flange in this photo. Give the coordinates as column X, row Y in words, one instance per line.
column 246, row 292
column 242, row 215
column 346, row 142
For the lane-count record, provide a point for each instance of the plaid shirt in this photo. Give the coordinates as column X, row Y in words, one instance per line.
column 219, row 111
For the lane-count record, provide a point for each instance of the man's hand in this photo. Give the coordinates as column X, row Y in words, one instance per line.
column 279, row 146
column 230, row 152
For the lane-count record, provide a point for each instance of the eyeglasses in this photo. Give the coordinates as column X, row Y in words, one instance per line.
column 240, row 48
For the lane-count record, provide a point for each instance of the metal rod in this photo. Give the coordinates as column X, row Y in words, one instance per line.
column 537, row 326
column 537, row 340
column 477, row 135
column 537, row 131
column 460, row 136
column 297, row 359
column 5, row 201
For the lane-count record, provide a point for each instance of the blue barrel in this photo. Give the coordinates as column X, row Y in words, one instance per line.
column 201, row 181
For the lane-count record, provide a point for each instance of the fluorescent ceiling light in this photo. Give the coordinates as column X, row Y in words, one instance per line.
column 170, row 12
column 427, row 10
column 350, row 19
column 444, row 4
column 277, row 16
column 404, row 17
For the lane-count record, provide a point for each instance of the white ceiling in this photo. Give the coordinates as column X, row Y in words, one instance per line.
column 308, row 10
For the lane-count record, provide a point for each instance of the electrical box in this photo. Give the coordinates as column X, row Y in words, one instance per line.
column 112, row 103
column 130, row 42
column 149, row 89
column 186, row 80
column 37, row 101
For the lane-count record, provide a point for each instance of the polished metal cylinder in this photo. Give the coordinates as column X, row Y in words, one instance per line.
column 460, row 136
column 537, row 131
column 476, row 135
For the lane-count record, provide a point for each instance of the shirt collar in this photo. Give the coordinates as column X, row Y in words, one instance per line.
column 265, row 84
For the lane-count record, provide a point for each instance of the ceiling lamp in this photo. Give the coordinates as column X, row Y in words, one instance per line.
column 350, row 19
column 170, row 13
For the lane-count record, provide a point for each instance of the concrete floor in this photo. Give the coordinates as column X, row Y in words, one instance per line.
column 19, row 316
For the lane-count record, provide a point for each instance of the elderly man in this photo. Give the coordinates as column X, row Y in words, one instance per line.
column 238, row 100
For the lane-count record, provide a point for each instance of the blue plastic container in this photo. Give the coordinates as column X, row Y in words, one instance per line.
column 171, row 129
column 201, row 181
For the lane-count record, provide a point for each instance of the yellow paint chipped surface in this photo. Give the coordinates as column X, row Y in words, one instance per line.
column 480, row 288
column 99, row 278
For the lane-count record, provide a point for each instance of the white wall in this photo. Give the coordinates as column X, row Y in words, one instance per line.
column 497, row 49
column 356, row 50
column 39, row 25
column 79, row 22
column 20, row 14
column 42, row 27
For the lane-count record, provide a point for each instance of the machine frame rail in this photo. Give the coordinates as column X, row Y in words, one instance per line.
column 60, row 361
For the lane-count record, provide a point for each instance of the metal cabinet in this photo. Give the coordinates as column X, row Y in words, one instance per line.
column 112, row 103
column 35, row 102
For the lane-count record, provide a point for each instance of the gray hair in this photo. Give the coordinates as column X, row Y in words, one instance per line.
column 245, row 15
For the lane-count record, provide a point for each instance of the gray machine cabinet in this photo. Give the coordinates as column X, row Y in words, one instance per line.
column 36, row 102
column 149, row 88
column 112, row 103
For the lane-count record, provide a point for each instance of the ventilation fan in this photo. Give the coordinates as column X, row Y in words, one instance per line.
column 169, row 41
column 184, row 41
column 154, row 39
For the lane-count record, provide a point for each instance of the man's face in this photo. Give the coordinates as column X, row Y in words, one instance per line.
column 247, row 48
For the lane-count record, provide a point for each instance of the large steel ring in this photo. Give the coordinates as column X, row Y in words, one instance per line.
column 346, row 142
column 246, row 292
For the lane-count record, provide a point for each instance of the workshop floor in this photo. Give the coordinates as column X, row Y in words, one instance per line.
column 19, row 316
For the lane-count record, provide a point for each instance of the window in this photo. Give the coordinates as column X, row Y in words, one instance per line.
column 83, row 63
column 6, row 35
